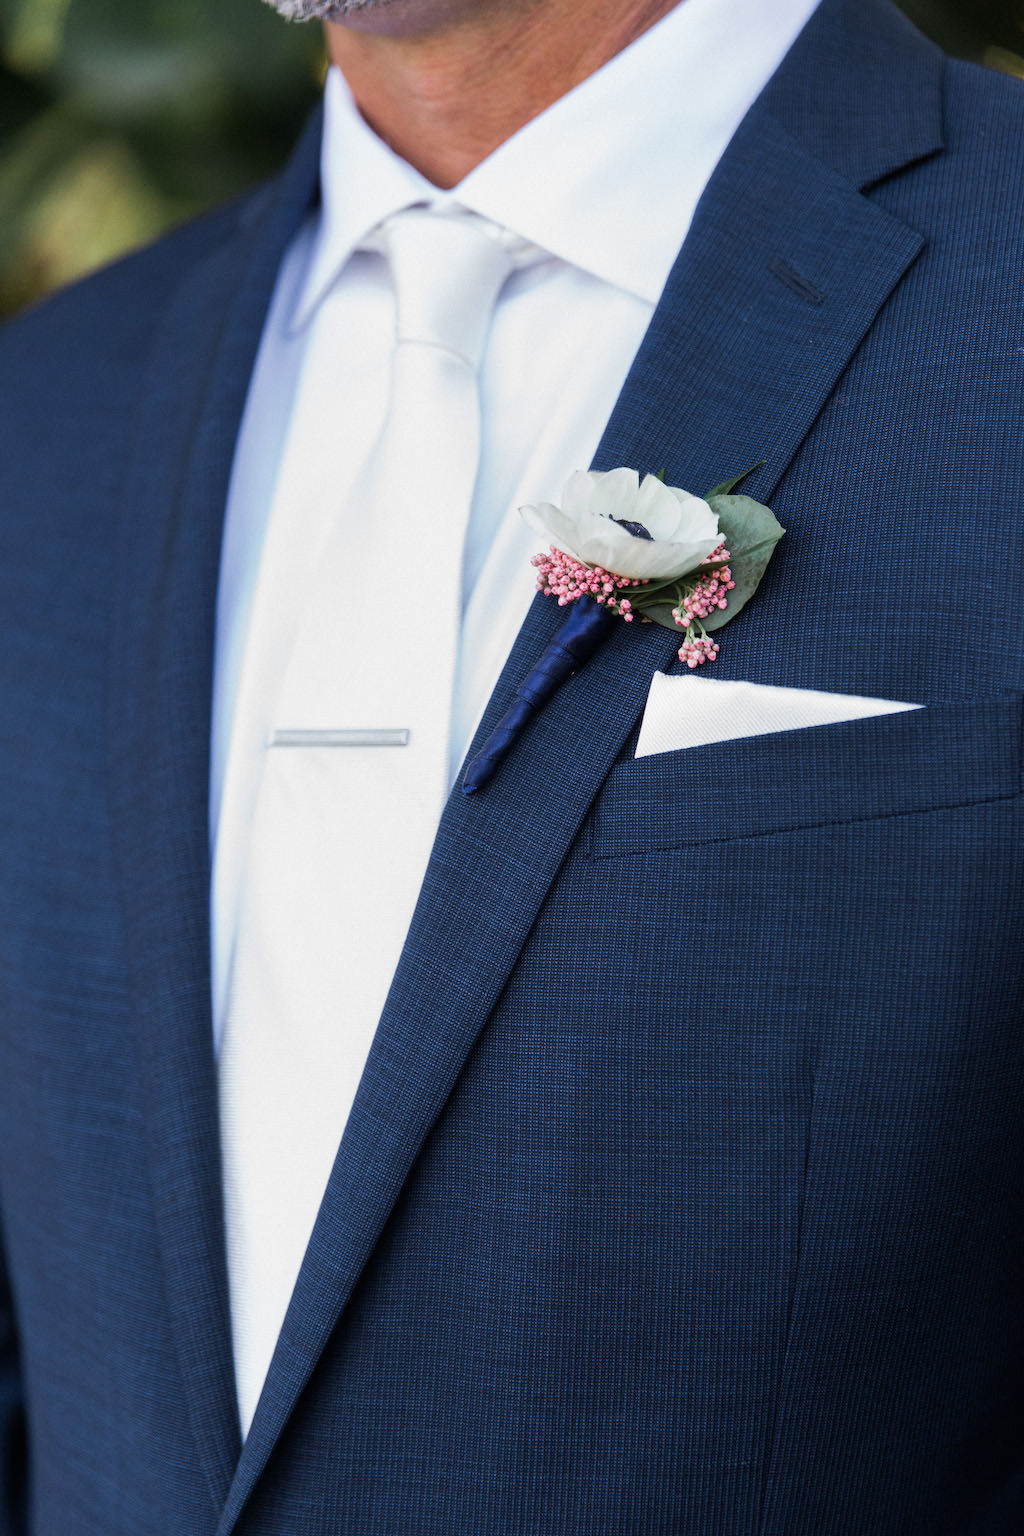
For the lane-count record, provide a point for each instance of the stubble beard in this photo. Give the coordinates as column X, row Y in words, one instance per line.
column 325, row 10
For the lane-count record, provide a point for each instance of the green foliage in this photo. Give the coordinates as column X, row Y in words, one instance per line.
column 120, row 117
column 751, row 532
column 988, row 31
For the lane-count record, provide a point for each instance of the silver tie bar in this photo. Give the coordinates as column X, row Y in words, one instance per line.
column 279, row 738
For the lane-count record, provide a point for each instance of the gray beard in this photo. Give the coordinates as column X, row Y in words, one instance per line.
column 322, row 10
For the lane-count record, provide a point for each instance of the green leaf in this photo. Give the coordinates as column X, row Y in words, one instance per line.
column 661, row 613
column 730, row 485
column 751, row 534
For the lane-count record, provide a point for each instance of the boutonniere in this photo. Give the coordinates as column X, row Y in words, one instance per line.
column 634, row 550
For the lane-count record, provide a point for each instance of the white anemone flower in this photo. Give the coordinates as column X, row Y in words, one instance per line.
column 678, row 531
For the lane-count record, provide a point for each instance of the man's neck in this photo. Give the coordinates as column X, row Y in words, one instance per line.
column 444, row 98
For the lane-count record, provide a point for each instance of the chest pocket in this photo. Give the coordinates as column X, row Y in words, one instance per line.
column 941, row 756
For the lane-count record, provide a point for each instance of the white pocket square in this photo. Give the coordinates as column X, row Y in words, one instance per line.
column 686, row 711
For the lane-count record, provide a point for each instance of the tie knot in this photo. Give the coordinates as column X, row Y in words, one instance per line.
column 448, row 268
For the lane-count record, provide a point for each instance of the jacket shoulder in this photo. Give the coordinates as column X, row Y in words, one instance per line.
column 984, row 110
column 73, row 372
column 977, row 212
column 84, row 337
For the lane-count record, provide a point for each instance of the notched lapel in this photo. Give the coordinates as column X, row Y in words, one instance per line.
column 158, row 730
column 785, row 269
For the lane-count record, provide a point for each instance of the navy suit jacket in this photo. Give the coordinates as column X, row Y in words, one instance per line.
column 684, row 1189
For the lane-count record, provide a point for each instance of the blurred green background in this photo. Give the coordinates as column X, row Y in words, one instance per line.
column 118, row 118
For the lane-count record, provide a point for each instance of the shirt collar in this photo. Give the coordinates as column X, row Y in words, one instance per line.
column 607, row 178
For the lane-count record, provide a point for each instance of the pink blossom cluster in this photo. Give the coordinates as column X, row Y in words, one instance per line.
column 696, row 652
column 559, row 575
column 709, row 594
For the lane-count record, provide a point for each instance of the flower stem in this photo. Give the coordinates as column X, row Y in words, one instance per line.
column 587, row 627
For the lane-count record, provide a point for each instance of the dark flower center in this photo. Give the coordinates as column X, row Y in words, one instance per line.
column 636, row 529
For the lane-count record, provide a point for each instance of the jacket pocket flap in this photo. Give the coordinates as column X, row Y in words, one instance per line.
column 854, row 770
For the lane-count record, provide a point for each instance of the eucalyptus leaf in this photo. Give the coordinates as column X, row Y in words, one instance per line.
column 661, row 613
column 727, row 486
column 751, row 534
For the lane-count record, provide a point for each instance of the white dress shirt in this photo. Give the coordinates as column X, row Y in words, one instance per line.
column 607, row 181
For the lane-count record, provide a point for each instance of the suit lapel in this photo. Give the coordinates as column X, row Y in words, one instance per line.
column 158, row 728
column 785, row 268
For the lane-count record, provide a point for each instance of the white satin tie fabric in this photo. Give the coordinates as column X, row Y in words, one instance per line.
column 303, row 1005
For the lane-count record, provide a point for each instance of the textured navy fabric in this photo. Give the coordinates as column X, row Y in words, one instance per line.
column 684, row 1189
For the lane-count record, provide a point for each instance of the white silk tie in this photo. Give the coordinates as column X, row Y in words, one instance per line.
column 342, row 833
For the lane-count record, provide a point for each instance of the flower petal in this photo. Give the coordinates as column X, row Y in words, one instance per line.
column 615, row 493
column 554, row 525
column 657, row 507
column 684, row 528
column 603, row 542
column 697, row 519
column 538, row 518
column 577, row 493
column 662, row 561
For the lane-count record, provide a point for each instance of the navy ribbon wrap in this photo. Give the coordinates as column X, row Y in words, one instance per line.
column 588, row 626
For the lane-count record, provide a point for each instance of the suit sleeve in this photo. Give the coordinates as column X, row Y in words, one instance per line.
column 13, row 1438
